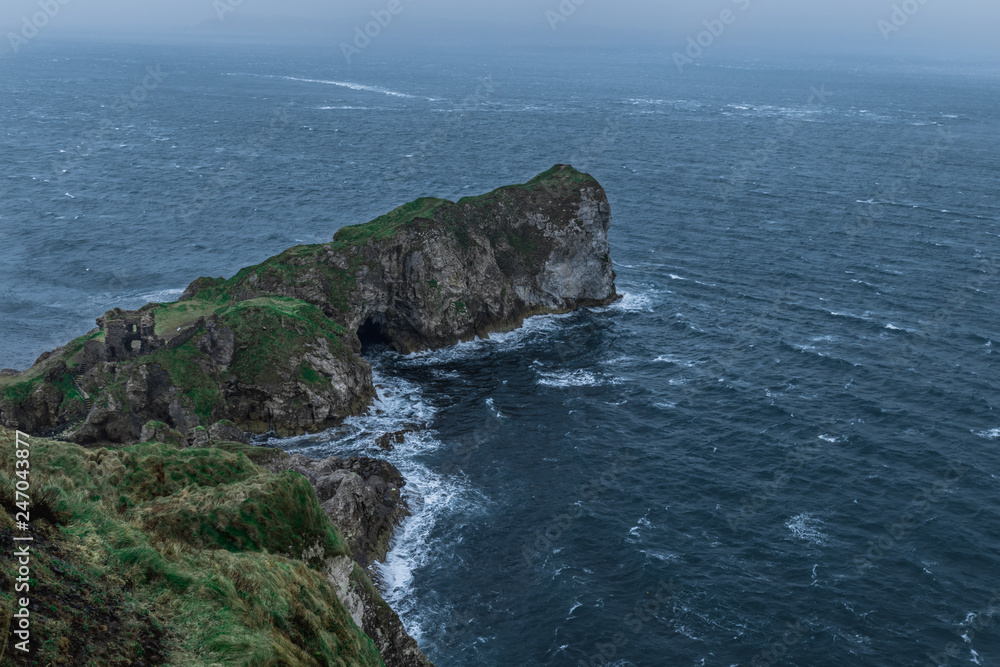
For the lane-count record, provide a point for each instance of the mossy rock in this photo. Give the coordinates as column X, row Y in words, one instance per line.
column 156, row 431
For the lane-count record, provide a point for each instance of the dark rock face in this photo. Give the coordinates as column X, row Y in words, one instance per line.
column 160, row 432
column 219, row 343
column 453, row 271
column 374, row 616
column 226, row 431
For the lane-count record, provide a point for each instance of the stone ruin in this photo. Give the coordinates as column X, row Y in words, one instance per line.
column 129, row 334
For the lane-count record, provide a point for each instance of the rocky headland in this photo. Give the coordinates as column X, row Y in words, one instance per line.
column 140, row 408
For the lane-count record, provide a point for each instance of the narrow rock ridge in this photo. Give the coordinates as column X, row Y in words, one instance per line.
column 277, row 347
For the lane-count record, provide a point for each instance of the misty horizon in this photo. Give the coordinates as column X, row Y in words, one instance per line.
column 907, row 28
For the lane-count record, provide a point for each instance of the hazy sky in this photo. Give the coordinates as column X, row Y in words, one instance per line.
column 939, row 26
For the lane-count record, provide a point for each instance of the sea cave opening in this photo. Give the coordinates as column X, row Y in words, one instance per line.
column 373, row 332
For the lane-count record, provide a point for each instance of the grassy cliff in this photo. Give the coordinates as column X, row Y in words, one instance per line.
column 277, row 346
column 150, row 554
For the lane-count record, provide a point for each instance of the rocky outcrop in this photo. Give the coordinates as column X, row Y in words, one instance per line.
column 434, row 272
column 360, row 495
column 371, row 613
column 277, row 347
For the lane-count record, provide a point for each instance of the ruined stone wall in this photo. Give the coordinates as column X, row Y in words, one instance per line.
column 129, row 334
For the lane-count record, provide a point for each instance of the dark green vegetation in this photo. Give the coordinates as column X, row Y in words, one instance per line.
column 154, row 555
column 386, row 226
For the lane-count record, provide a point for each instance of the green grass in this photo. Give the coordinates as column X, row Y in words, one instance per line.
column 561, row 173
column 185, row 365
column 310, row 375
column 271, row 330
column 196, row 551
column 181, row 314
column 19, row 389
column 386, row 226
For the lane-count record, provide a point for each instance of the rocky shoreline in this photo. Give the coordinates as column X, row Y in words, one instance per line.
column 363, row 498
column 277, row 349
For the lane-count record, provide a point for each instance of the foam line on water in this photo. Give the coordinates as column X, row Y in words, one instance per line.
column 497, row 342
column 352, row 85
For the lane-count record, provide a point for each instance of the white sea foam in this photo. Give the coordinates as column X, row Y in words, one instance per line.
column 893, row 327
column 865, row 317
column 635, row 532
column 673, row 359
column 432, row 497
column 577, row 378
column 992, row 434
column 493, row 409
column 661, row 556
column 475, row 348
column 162, row 296
column 633, row 303
column 806, row 527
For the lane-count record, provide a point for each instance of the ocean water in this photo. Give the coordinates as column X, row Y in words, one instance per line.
column 780, row 447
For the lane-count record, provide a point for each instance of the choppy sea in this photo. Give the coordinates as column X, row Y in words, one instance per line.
column 780, row 447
